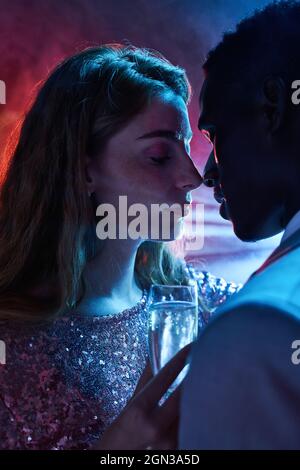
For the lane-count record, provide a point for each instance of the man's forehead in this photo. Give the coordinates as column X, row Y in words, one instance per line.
column 203, row 92
column 211, row 101
column 205, row 103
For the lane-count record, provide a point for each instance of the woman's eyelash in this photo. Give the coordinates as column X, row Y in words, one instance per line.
column 160, row 160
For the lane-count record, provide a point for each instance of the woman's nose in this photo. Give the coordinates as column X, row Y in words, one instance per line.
column 193, row 178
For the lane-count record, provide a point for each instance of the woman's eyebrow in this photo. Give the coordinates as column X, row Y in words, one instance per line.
column 167, row 134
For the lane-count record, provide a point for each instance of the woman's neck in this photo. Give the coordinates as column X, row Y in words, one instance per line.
column 110, row 280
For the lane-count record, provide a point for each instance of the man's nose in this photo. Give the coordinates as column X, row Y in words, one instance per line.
column 211, row 173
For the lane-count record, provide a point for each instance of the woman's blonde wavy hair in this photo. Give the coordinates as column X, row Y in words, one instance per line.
column 47, row 220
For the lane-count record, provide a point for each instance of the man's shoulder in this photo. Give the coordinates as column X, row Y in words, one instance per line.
column 275, row 288
column 242, row 376
column 250, row 330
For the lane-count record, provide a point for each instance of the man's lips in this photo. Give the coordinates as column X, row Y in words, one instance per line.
column 219, row 196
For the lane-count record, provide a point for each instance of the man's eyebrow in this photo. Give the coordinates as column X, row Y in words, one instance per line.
column 166, row 134
column 201, row 123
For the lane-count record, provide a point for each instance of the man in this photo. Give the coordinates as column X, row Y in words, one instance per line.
column 243, row 388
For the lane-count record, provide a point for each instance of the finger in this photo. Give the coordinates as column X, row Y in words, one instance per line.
column 165, row 377
column 168, row 439
column 164, row 444
column 146, row 376
column 169, row 411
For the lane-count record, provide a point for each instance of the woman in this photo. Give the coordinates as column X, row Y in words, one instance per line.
column 109, row 121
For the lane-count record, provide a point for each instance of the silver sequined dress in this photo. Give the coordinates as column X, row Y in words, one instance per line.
column 63, row 384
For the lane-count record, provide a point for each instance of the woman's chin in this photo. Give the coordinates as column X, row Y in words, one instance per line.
column 175, row 233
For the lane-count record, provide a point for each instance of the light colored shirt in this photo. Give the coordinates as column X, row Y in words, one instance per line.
column 292, row 226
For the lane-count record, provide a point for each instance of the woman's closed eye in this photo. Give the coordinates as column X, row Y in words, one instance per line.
column 160, row 160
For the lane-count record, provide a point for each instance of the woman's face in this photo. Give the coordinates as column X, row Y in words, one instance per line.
column 148, row 161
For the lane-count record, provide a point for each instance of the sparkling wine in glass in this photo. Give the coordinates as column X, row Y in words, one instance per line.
column 173, row 323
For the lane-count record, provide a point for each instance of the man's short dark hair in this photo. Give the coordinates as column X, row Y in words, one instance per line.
column 267, row 42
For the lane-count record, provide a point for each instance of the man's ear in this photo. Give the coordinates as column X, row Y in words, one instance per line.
column 274, row 96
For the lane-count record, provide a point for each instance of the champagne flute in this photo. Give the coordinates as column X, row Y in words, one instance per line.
column 173, row 323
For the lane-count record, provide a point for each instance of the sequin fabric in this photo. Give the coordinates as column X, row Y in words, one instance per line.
column 63, row 384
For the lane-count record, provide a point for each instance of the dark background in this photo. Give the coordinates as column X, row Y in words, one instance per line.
column 36, row 34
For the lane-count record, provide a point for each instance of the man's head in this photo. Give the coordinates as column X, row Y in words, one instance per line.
column 248, row 115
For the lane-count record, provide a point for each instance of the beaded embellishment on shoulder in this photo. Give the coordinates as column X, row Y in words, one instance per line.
column 212, row 292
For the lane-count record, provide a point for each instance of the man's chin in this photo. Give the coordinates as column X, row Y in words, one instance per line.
column 246, row 232
column 242, row 232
